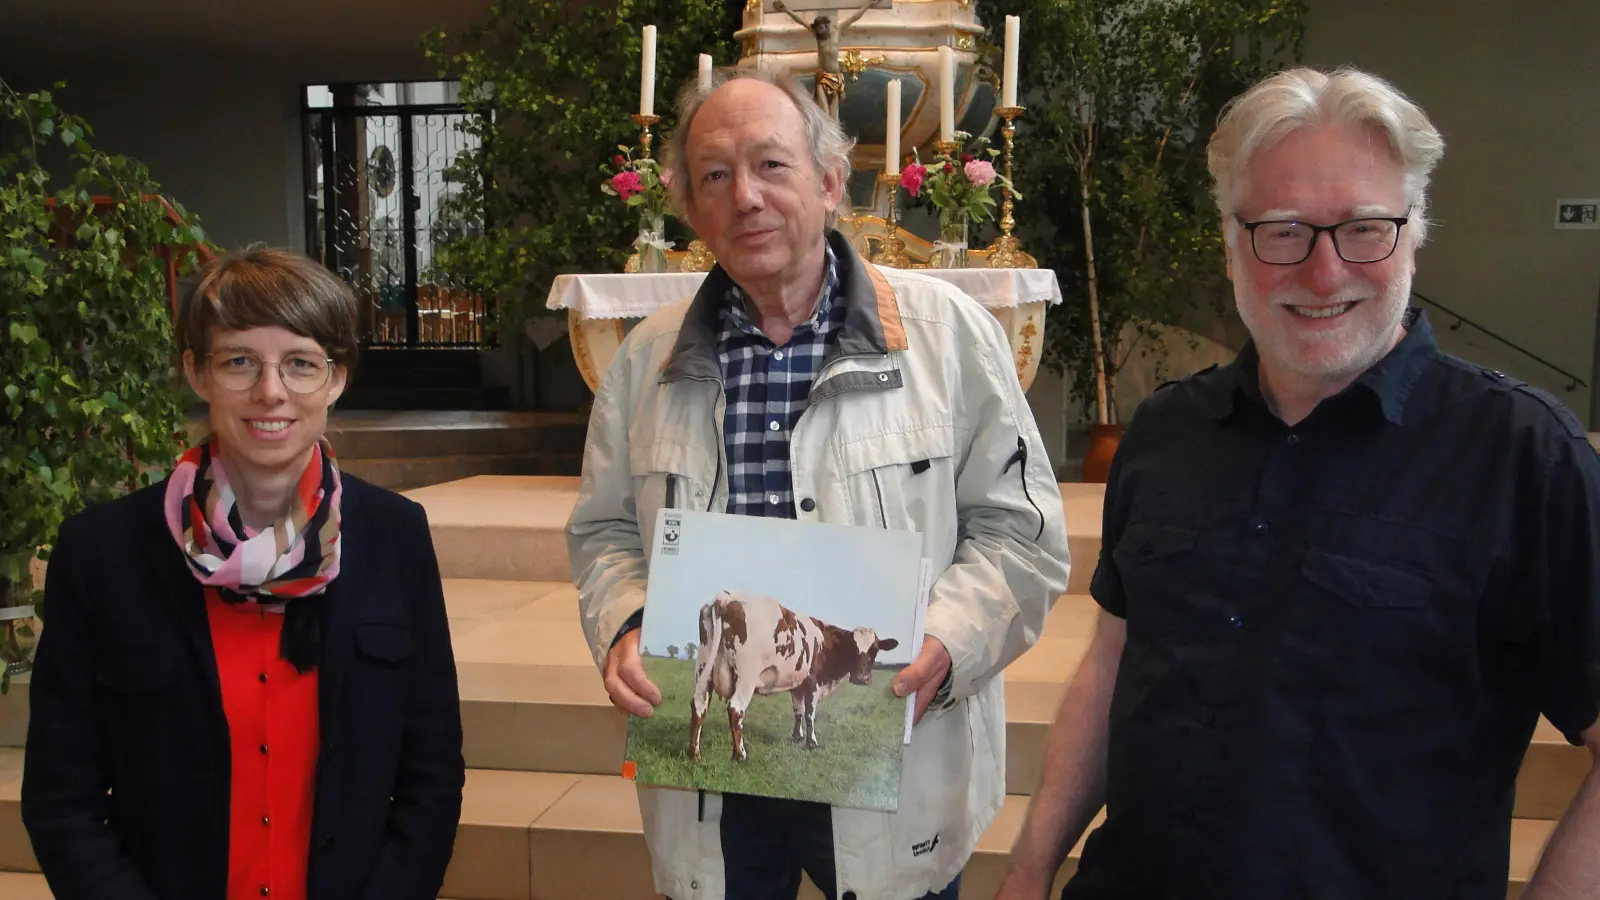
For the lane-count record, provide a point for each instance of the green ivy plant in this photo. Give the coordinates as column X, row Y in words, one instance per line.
column 90, row 404
column 552, row 85
column 1122, row 97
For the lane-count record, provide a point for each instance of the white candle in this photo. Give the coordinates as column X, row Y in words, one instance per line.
column 1009, row 90
column 947, row 94
column 647, row 78
column 705, row 73
column 891, row 143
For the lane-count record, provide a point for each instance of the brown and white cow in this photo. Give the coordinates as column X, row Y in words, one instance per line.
column 750, row 644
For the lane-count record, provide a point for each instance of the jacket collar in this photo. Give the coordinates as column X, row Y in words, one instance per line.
column 872, row 324
column 1389, row 382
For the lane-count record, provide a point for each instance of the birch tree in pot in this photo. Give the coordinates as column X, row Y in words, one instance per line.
column 89, row 399
column 1121, row 99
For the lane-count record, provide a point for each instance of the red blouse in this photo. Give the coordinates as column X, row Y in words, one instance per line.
column 273, row 724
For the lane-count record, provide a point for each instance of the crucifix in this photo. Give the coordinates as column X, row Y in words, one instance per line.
column 823, row 27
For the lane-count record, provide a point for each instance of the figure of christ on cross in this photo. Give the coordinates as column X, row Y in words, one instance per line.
column 830, row 83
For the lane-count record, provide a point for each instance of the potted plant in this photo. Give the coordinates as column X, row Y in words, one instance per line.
column 548, row 82
column 90, row 404
column 1122, row 97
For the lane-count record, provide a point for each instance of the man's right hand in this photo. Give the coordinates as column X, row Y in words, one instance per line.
column 629, row 688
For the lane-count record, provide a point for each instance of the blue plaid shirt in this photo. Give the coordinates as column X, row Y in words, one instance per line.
column 766, row 388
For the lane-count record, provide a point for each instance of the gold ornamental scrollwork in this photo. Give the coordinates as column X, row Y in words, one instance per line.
column 1025, row 352
column 855, row 62
column 966, row 42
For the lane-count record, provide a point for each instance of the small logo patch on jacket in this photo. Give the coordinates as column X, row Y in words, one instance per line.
column 925, row 847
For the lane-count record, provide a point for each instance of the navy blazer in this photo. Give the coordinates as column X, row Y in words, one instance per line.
column 125, row 699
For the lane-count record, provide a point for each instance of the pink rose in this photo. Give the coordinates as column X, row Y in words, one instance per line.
column 980, row 173
column 911, row 178
column 627, row 184
column 666, row 178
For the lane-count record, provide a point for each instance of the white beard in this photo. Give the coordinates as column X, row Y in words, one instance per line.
column 1366, row 334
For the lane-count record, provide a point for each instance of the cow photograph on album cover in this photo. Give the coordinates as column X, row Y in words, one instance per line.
column 774, row 644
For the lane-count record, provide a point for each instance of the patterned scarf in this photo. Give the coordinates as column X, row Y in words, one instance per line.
column 280, row 568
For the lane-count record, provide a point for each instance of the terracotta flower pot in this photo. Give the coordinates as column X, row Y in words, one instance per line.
column 1103, row 441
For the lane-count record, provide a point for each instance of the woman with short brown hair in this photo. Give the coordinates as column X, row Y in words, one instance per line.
column 245, row 687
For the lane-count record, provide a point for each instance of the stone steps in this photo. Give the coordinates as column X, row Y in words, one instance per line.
column 531, row 699
column 512, row 528
column 527, row 835
column 412, row 449
column 407, row 472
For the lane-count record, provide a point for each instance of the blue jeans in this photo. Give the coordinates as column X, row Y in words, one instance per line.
column 767, row 843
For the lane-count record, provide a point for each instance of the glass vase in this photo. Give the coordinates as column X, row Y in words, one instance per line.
column 950, row 251
column 651, row 245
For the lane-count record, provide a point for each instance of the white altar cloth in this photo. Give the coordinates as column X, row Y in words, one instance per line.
column 597, row 303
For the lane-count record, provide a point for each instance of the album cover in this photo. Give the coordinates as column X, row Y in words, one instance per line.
column 774, row 643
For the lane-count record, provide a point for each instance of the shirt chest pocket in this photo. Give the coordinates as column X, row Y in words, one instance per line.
column 903, row 480
column 1402, row 642
column 1163, row 578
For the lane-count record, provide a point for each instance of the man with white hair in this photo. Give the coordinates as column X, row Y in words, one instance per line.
column 802, row 382
column 1341, row 577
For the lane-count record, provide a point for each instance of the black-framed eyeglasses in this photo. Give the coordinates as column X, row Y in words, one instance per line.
column 1285, row 242
column 302, row 373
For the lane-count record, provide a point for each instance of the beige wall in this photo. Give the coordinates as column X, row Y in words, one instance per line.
column 224, row 145
column 220, row 130
column 1515, row 89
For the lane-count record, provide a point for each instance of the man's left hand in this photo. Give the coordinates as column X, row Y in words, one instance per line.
column 925, row 675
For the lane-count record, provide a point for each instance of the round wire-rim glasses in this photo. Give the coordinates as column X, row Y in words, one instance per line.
column 1288, row 242
column 300, row 373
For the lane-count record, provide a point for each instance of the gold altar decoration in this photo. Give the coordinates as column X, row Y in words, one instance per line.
column 698, row 258
column 855, row 62
column 1006, row 252
column 891, row 247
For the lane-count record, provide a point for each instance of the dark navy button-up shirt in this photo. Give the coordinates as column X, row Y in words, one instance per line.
column 1340, row 634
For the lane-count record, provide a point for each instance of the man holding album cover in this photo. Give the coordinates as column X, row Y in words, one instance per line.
column 803, row 382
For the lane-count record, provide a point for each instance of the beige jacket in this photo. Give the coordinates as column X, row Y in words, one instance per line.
column 920, row 372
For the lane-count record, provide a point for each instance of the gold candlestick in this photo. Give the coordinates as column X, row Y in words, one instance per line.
column 892, row 250
column 1006, row 251
column 946, row 148
column 644, row 122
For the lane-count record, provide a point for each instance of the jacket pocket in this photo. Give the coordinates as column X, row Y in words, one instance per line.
column 386, row 642
column 903, row 479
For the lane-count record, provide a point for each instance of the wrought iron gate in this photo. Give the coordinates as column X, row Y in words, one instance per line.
column 376, row 164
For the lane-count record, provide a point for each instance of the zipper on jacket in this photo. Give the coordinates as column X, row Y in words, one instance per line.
column 883, row 511
column 1022, row 456
column 716, row 479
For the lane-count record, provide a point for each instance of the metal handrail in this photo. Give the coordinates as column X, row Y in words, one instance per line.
column 1573, row 381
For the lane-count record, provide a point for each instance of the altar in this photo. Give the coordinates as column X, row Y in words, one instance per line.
column 600, row 306
column 923, row 90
